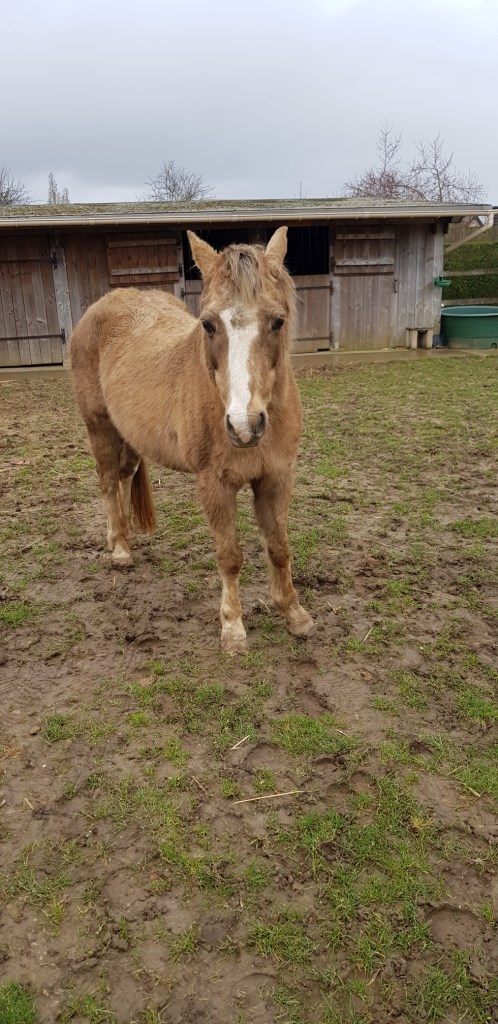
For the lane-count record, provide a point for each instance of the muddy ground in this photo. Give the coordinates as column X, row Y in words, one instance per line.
column 136, row 888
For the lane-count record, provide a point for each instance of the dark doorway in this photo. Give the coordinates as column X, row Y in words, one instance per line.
column 219, row 238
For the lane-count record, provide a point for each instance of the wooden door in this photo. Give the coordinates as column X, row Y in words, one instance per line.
column 191, row 295
column 313, row 313
column 145, row 262
column 363, row 288
column 30, row 333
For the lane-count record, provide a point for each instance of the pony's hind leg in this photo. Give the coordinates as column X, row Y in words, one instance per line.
column 218, row 501
column 106, row 445
column 129, row 462
column 271, row 503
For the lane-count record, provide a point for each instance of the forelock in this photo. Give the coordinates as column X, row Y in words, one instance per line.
column 245, row 272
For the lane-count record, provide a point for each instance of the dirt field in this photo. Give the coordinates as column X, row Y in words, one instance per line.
column 135, row 885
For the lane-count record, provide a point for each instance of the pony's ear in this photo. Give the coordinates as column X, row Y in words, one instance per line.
column 277, row 246
column 205, row 257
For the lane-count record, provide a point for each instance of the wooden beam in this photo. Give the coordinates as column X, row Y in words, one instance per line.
column 471, row 273
column 143, row 241
column 179, row 285
column 370, row 234
column 129, row 271
column 61, row 288
column 376, row 261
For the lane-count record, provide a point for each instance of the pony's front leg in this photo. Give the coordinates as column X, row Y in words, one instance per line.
column 272, row 496
column 219, row 502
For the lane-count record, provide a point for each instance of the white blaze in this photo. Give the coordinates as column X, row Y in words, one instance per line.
column 240, row 339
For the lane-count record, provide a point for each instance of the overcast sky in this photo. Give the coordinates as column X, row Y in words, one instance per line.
column 265, row 98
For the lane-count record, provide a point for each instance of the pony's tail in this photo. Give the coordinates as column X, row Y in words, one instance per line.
column 142, row 502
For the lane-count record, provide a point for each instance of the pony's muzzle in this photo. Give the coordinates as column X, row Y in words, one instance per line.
column 251, row 434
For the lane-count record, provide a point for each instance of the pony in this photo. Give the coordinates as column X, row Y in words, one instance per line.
column 214, row 396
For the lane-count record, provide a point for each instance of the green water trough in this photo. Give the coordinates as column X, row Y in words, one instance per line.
column 470, row 326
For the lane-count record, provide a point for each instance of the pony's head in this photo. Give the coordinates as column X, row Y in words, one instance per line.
column 247, row 314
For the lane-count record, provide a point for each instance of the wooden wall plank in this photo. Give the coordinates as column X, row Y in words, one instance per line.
column 93, row 270
column 421, row 242
column 359, row 312
column 21, row 325
column 313, row 308
column 23, row 299
column 192, row 296
column 81, row 270
column 335, row 312
column 143, row 262
column 9, row 328
column 39, row 301
column 427, row 281
column 411, row 277
column 438, row 272
column 402, row 323
column 394, row 336
column 419, row 253
column 366, row 234
column 53, row 324
column 385, row 292
column 130, row 243
column 3, row 296
column 87, row 271
column 179, row 286
column 363, row 282
column 369, row 300
column 28, row 249
column 62, row 301
column 73, row 277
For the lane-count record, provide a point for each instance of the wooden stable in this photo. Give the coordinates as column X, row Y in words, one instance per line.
column 365, row 271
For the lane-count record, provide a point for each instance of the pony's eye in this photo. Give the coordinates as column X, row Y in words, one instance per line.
column 277, row 324
column 208, row 327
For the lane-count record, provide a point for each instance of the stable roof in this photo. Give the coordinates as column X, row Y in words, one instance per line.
column 214, row 211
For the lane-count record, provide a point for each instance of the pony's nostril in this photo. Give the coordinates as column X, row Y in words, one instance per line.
column 230, row 427
column 261, row 424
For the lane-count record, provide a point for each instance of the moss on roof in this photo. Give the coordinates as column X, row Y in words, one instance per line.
column 216, row 206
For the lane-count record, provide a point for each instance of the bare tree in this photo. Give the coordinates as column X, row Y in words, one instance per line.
column 12, row 192
column 56, row 196
column 436, row 178
column 176, row 183
column 431, row 174
column 385, row 179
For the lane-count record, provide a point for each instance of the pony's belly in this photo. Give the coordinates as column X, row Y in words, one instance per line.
column 157, row 445
column 166, row 452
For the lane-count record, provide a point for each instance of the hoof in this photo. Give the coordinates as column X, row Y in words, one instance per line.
column 301, row 624
column 233, row 639
column 121, row 557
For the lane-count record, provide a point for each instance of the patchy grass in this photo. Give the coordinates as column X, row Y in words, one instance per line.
column 127, row 737
column 303, row 736
column 13, row 613
column 41, row 889
column 87, row 1008
column 474, row 702
column 487, row 527
column 17, row 1005
column 183, row 946
column 284, row 940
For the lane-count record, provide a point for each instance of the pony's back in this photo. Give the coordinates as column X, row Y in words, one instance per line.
column 127, row 311
column 115, row 328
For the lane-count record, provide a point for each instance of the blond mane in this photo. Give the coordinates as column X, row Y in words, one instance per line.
column 249, row 278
